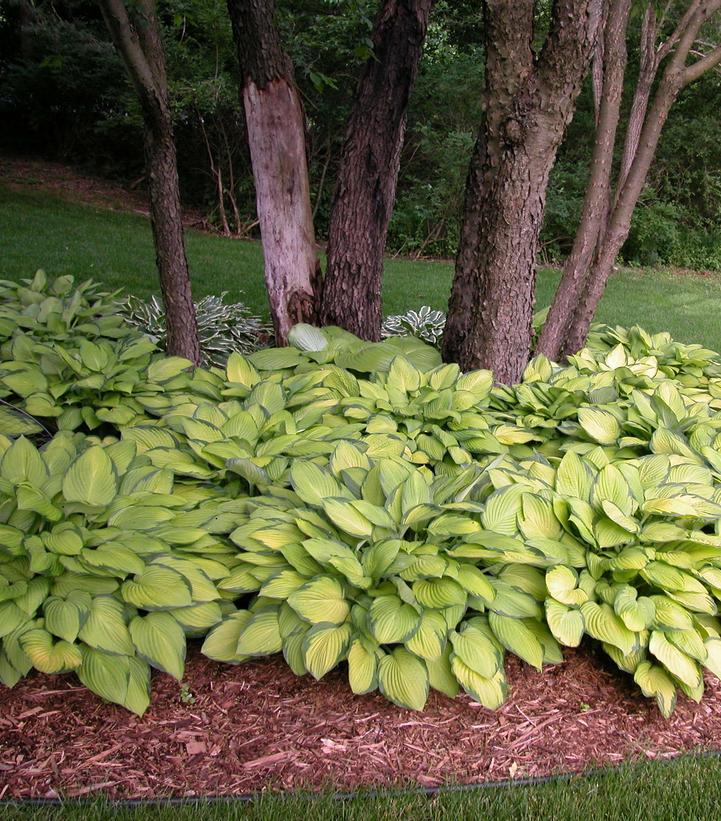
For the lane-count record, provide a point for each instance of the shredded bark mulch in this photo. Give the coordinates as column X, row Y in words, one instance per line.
column 258, row 727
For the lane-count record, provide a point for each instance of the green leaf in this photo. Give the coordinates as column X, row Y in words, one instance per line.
column 574, row 477
column 440, row 674
column 238, row 370
column 599, row 425
column 345, row 516
column 713, row 656
column 21, row 462
column 48, row 655
column 391, row 621
column 64, row 617
column 362, row 668
column 91, row 479
column 15, row 422
column 312, row 484
column 166, row 368
column 261, row 635
column 517, row 638
column 429, row 640
column 320, row 600
column 684, row 668
column 439, row 592
column 474, row 581
column 403, row 679
column 490, row 692
column 636, row 613
column 160, row 640
column 157, row 588
column 325, row 646
column 307, row 337
column 654, row 682
column 562, row 582
column 105, row 627
column 477, row 652
column 603, row 624
column 221, row 643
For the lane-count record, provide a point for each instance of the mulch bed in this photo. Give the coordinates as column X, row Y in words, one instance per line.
column 258, row 727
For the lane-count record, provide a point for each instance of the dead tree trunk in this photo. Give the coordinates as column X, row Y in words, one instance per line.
column 136, row 35
column 491, row 306
column 584, row 278
column 366, row 185
column 276, row 136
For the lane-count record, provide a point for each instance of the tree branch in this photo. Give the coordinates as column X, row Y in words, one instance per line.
column 695, row 70
column 127, row 41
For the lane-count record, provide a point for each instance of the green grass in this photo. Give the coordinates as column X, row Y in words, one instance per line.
column 687, row 788
column 39, row 230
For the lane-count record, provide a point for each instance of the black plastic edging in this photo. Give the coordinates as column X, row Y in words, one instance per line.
column 180, row 801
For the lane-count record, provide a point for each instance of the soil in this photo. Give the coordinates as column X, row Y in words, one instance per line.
column 254, row 727
column 72, row 183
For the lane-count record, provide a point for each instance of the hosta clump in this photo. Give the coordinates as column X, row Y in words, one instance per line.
column 105, row 565
column 222, row 327
column 55, row 310
column 433, row 416
column 425, row 323
column 380, row 563
column 88, row 384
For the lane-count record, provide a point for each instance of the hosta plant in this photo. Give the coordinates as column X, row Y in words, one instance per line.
column 352, row 503
column 51, row 310
column 105, row 565
column 222, row 327
column 425, row 323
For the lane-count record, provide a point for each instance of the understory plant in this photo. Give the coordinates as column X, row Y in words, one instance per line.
column 222, row 327
column 357, row 504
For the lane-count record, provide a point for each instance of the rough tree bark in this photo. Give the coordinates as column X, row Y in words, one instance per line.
column 584, row 278
column 612, row 59
column 135, row 32
column 509, row 60
column 490, row 325
column 366, row 185
column 276, row 136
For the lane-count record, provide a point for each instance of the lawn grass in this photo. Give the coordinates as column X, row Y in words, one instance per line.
column 39, row 230
column 686, row 788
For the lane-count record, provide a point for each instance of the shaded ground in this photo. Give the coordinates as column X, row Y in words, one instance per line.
column 257, row 726
column 68, row 182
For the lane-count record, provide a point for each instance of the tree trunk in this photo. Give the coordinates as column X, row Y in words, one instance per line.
column 643, row 133
column 276, row 137
column 167, row 223
column 366, row 185
column 137, row 39
column 509, row 60
column 598, row 189
column 500, row 271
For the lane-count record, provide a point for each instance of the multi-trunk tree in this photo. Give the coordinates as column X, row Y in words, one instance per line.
column 605, row 222
column 529, row 100
column 135, row 31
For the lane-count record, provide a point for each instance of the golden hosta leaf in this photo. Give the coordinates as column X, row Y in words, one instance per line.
column 320, row 600
column 490, row 692
column 362, row 668
column 391, row 620
column 91, row 479
column 403, row 679
column 325, row 646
